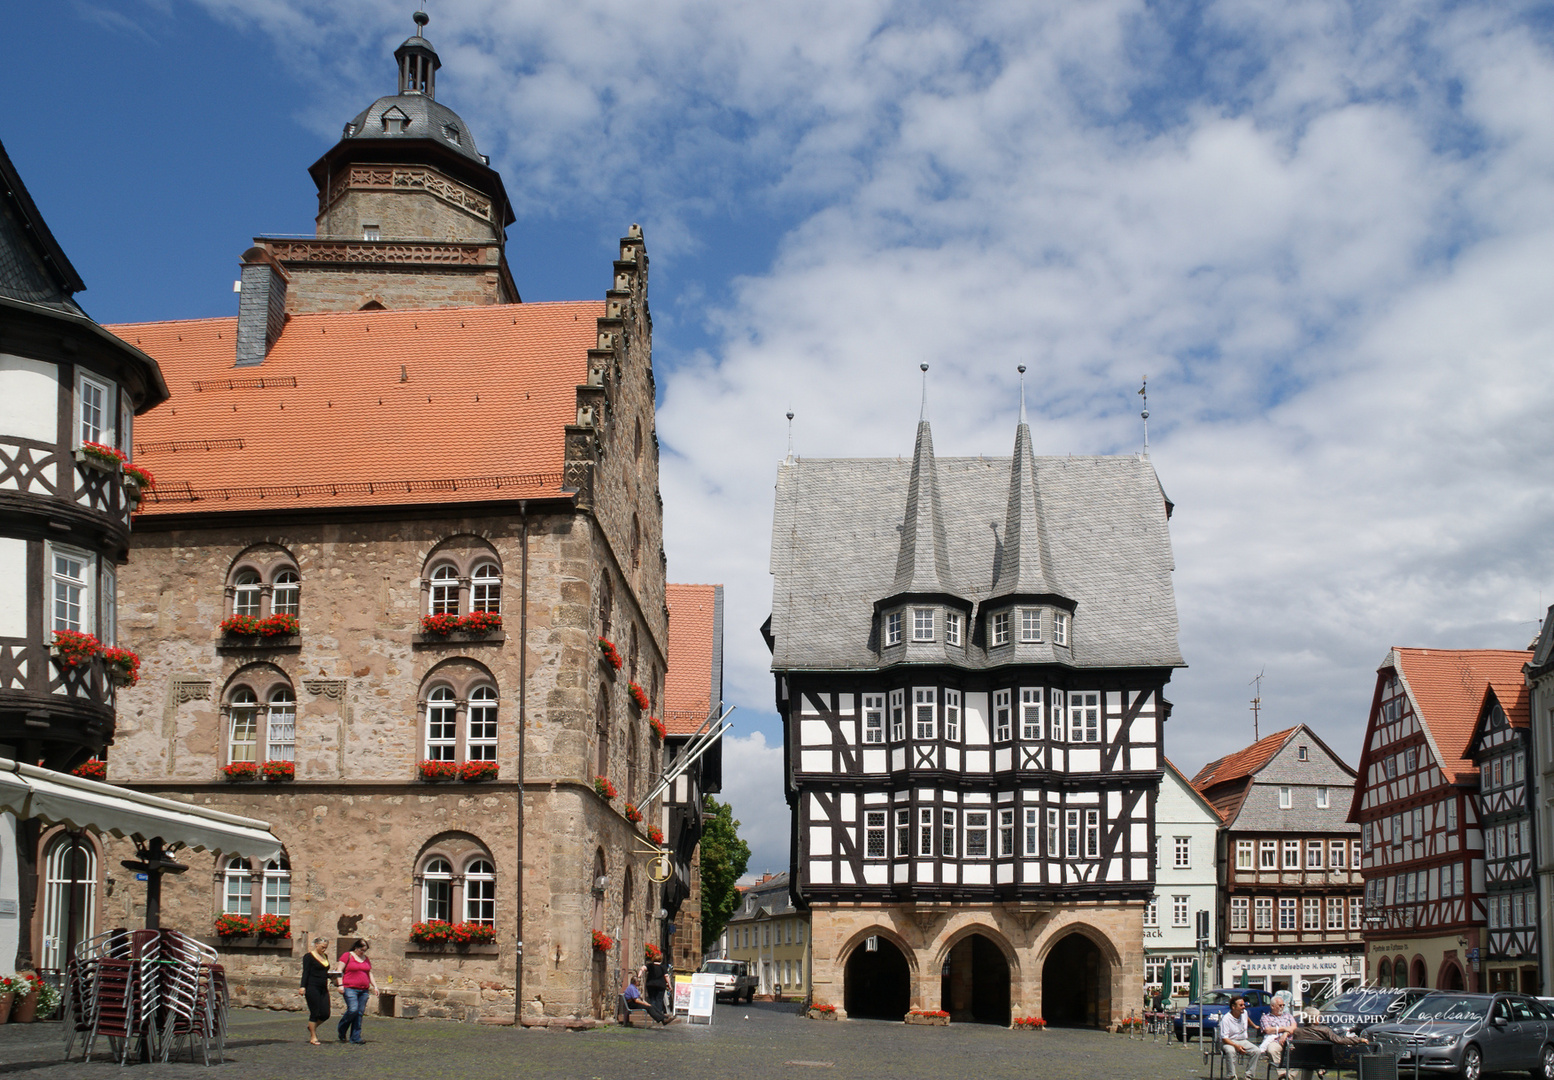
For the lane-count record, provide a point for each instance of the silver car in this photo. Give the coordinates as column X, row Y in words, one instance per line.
column 1472, row 1034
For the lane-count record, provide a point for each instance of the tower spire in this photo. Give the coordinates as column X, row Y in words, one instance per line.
column 1023, row 565
column 922, row 416
column 1022, row 393
column 923, row 565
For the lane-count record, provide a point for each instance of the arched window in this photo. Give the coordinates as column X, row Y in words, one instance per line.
column 632, row 665
column 480, row 893
column 69, row 897
column 631, row 765
column 445, row 590
column 636, row 542
column 437, row 891
column 245, row 594
column 485, row 591
column 481, row 742
column 442, row 726
column 636, row 443
column 238, row 894
column 286, row 594
column 602, row 735
column 281, row 731
column 243, row 732
column 277, row 887
column 605, row 603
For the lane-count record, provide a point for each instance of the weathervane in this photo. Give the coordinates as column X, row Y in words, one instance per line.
column 1022, row 393
column 924, row 414
column 790, row 435
column 1144, row 415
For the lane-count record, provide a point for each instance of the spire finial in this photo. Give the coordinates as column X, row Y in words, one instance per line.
column 1021, row 369
column 421, row 19
column 1144, row 415
column 790, row 436
column 924, row 414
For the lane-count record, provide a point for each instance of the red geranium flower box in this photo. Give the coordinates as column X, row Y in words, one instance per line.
column 433, row 771
column 229, row 926
column 658, row 728
column 605, row 789
column 91, row 770
column 610, row 653
column 633, row 815
column 279, row 770
column 471, row 933
column 472, row 772
column 639, row 695
column 74, row 649
column 273, row 926
column 603, row 942
column 123, row 666
column 240, row 770
column 655, row 834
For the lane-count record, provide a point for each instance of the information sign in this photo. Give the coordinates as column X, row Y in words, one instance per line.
column 704, row 993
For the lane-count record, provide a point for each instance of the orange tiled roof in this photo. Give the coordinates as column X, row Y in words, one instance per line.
column 1224, row 783
column 688, row 683
column 365, row 408
column 1448, row 689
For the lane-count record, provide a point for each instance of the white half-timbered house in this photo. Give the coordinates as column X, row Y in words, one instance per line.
column 970, row 657
column 1501, row 748
column 1417, row 807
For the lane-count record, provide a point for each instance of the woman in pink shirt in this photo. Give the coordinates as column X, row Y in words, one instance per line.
column 356, row 982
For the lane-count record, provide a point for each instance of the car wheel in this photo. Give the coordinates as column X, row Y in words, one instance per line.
column 1545, row 1069
column 1472, row 1064
column 749, row 995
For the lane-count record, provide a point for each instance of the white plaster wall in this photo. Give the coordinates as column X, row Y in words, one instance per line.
column 9, row 895
column 1179, row 813
column 13, row 587
column 29, row 398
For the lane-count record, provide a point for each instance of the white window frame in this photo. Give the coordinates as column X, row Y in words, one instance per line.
column 1323, row 798
column 903, row 834
column 1314, row 853
column 952, row 628
column 277, row 888
column 126, row 427
column 952, row 715
column 1054, row 835
column 874, row 838
column 280, row 725
column 1084, row 716
column 84, row 620
column 1335, row 855
column 1060, row 629
column 1311, row 913
column 1092, row 834
column 1031, row 726
column 109, row 605
column 286, row 593
column 485, row 588
column 893, row 628
column 243, row 719
column 1289, row 914
column 1180, row 909
column 922, row 624
column 247, row 591
column 1286, row 798
column 925, row 714
column 1238, row 913
column 1055, row 714
column 1071, row 837
column 1032, row 832
column 977, row 844
column 1181, row 855
column 1268, row 854
column 439, row 874
column 897, row 715
column 444, row 596
column 925, row 832
column 1152, row 912
column 1356, row 912
column 442, row 715
column 1291, row 859
column 998, row 628
column 1002, row 715
column 1030, row 625
column 102, row 432
column 1335, row 913
column 480, row 724
column 480, row 889
column 873, row 719
column 237, row 893
column 1006, row 833
column 1244, row 856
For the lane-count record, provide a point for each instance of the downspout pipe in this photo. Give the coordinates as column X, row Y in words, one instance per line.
column 523, row 697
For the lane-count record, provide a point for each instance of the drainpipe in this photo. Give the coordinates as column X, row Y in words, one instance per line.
column 523, row 696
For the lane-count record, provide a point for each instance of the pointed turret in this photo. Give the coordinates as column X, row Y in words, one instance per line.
column 923, row 566
column 1025, row 561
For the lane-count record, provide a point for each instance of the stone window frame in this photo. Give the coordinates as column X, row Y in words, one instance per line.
column 463, row 677
column 465, row 561
column 269, row 564
column 263, row 681
column 257, row 892
column 461, row 851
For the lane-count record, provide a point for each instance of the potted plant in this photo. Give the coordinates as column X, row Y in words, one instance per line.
column 603, row 942
column 433, row 932
column 229, row 925
column 437, row 771
column 73, row 649
column 604, row 788
column 91, row 770
column 818, row 1011
column 633, row 815
column 658, row 728
column 24, row 1010
column 610, row 654
column 930, row 1017
column 473, row 772
column 273, row 926
column 8, row 996
column 276, row 771
column 471, row 933
column 639, row 696
column 239, row 771
column 123, row 666
column 656, row 835
column 48, row 1001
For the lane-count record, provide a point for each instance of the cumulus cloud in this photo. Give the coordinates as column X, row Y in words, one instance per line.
column 752, row 786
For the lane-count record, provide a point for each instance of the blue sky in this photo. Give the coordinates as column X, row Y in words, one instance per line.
column 1322, row 229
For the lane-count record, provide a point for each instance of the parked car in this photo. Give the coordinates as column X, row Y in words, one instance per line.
column 1472, row 1034
column 735, row 980
column 1216, row 1003
column 1356, row 1011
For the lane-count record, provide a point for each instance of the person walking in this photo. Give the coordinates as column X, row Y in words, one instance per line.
column 656, row 980
column 356, row 983
column 315, row 986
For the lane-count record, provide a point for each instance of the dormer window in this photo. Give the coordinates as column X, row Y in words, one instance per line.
column 952, row 628
column 922, row 624
column 451, row 133
column 1000, row 629
column 395, row 121
column 1060, row 628
column 893, row 628
column 1030, row 624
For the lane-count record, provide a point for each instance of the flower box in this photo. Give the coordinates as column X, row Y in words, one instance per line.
column 821, row 1012
column 476, row 623
column 603, row 942
column 233, row 926
column 604, row 788
column 656, row 835
column 272, row 927
column 239, row 771
column 1029, row 1023
column 434, row 772
column 122, row 665
column 633, row 815
column 928, row 1017
column 276, row 771
column 137, row 479
column 74, row 649
column 448, row 948
column 609, row 653
column 639, row 696
column 98, row 456
column 91, row 770
column 473, row 772
column 433, row 932
column 652, row 953
column 658, row 728
column 471, row 933
column 275, row 626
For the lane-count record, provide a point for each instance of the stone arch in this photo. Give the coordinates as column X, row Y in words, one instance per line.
column 1078, row 965
column 1384, row 973
column 1451, row 975
column 977, row 969
column 1418, row 973
column 878, row 984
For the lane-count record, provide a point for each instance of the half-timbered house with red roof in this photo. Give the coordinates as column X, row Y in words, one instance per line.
column 1416, row 803
column 1291, row 897
column 1501, row 747
column 396, row 511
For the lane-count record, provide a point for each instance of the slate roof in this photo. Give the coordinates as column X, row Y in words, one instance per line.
column 365, row 408
column 770, row 897
column 33, row 267
column 693, row 686
column 1542, row 647
column 836, row 540
column 1244, row 786
column 428, row 118
column 1447, row 688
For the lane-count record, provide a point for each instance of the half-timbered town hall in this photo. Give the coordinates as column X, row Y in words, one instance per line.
column 970, row 658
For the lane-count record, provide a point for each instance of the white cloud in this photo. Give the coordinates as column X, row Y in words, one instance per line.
column 752, row 785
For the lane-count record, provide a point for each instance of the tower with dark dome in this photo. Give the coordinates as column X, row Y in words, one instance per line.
column 410, row 212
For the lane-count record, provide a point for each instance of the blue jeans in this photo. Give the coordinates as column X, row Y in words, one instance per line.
column 355, row 1005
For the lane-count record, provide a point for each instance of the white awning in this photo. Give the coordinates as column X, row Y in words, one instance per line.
column 60, row 799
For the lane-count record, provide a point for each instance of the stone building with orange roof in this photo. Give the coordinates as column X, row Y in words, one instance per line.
column 397, row 511
column 1417, row 805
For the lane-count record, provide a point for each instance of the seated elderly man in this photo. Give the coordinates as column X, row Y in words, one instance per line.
column 1235, row 1040
column 1278, row 1028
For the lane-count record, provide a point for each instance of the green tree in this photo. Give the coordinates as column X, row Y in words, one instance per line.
column 724, row 857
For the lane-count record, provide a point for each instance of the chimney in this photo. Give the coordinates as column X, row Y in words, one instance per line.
column 261, row 306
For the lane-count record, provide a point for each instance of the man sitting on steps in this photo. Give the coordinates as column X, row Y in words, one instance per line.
column 635, row 1001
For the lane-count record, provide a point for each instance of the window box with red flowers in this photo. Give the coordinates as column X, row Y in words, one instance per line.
column 473, row 772
column 123, row 666
column 658, row 728
column 434, row 772
column 73, row 649
column 272, row 927
column 609, row 653
column 603, row 942
column 928, row 1017
column 270, row 628
column 656, row 835
column 234, row 926
column 276, row 771
column 91, row 770
column 471, row 933
column 440, row 938
column 633, row 815
column 239, row 771
column 639, row 695
column 475, row 624
column 433, row 932
column 97, row 456
column 137, row 481
column 604, row 789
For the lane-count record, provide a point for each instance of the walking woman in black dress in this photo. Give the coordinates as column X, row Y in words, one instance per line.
column 315, row 986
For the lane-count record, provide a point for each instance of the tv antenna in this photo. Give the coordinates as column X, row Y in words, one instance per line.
column 1257, row 703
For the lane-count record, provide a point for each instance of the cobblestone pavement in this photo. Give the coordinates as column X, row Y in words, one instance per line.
column 772, row 1043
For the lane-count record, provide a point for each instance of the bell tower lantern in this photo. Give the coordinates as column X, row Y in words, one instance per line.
column 418, row 62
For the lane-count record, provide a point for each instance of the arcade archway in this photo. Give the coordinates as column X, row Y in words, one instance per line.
column 974, row 982
column 1076, row 984
column 877, row 983
column 1451, row 977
